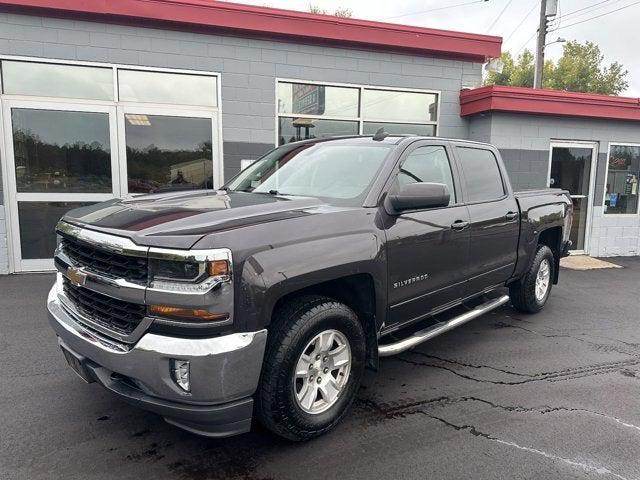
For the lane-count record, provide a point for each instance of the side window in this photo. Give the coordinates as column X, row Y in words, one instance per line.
column 482, row 177
column 427, row 164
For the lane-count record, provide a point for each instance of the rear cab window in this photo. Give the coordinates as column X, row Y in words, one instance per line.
column 481, row 174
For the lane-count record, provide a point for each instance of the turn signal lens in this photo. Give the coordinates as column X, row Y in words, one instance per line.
column 218, row 268
column 186, row 313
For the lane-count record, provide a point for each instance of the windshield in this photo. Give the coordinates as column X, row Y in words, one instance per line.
column 333, row 171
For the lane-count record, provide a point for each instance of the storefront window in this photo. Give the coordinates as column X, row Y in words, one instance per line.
column 399, row 106
column 294, row 129
column 308, row 99
column 52, row 80
column 622, row 179
column 369, row 128
column 161, row 87
column 309, row 110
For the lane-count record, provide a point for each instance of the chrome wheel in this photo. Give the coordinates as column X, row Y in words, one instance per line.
column 543, row 280
column 322, row 371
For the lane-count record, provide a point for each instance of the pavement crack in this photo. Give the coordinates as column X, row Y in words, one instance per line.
column 401, row 409
column 596, row 346
column 587, row 467
column 470, row 365
column 552, row 376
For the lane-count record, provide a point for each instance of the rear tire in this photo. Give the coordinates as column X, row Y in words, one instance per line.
column 531, row 292
column 313, row 367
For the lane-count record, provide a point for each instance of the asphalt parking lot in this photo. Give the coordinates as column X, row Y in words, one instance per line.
column 508, row 396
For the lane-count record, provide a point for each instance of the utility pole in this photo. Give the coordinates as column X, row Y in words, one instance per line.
column 542, row 36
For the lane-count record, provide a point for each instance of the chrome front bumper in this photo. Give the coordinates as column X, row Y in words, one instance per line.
column 224, row 370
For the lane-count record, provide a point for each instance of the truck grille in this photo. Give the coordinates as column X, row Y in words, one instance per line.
column 117, row 315
column 114, row 265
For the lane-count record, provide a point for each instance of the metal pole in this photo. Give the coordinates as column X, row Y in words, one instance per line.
column 542, row 35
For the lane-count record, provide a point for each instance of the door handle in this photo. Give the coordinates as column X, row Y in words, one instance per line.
column 459, row 225
column 511, row 215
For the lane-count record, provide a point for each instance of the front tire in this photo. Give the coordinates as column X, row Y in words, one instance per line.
column 531, row 292
column 313, row 367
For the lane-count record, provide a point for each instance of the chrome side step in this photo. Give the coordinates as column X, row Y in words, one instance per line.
column 438, row 329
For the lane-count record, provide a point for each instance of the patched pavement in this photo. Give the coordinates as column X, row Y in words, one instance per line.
column 507, row 396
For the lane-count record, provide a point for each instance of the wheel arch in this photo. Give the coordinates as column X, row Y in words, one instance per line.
column 356, row 291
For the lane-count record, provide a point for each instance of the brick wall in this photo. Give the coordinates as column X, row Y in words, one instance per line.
column 524, row 141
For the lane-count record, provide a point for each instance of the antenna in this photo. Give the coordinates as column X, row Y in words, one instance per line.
column 380, row 135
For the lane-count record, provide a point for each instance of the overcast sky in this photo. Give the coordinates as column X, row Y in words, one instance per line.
column 617, row 33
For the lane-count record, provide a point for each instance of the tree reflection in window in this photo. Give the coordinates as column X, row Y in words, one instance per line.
column 57, row 151
column 168, row 153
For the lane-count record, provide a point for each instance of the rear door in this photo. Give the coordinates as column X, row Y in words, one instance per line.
column 494, row 217
column 427, row 249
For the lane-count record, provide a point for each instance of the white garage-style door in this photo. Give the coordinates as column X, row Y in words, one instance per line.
column 77, row 134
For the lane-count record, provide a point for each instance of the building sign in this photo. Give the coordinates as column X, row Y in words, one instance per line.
column 308, row 99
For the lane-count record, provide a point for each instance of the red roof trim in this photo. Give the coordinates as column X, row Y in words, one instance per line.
column 263, row 21
column 547, row 102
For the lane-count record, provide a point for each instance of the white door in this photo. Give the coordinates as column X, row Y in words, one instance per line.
column 59, row 156
column 572, row 167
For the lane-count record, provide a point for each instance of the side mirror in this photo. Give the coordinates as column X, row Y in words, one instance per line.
column 418, row 195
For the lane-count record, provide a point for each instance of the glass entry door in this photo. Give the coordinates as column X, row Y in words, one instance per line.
column 572, row 167
column 168, row 150
column 59, row 157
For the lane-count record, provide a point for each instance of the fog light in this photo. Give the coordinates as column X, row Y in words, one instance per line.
column 180, row 373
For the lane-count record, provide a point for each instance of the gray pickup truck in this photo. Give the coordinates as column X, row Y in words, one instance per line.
column 270, row 297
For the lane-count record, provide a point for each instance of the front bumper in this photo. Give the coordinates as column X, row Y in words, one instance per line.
column 224, row 371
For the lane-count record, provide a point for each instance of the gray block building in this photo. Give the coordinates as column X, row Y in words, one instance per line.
column 111, row 99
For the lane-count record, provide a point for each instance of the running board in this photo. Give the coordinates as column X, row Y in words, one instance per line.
column 440, row 328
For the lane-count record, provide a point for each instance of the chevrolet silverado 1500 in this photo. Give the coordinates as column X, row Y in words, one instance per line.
column 269, row 297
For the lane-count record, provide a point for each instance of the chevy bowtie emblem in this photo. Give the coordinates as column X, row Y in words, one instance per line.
column 76, row 276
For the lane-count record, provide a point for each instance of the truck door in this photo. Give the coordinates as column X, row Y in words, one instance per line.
column 427, row 249
column 494, row 214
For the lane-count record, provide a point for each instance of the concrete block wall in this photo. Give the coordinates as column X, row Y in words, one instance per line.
column 524, row 141
column 248, row 67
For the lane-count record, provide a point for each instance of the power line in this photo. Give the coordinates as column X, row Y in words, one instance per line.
column 499, row 16
column 435, row 9
column 597, row 16
column 525, row 43
column 573, row 12
column 581, row 12
column 521, row 22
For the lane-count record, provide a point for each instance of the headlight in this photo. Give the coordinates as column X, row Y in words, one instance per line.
column 185, row 273
column 188, row 272
column 176, row 271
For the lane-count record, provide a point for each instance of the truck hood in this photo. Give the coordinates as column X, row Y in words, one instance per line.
column 180, row 219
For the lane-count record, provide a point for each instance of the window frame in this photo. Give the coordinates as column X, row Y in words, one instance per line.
column 407, row 154
column 407, row 150
column 463, row 178
column 606, row 177
column 360, row 118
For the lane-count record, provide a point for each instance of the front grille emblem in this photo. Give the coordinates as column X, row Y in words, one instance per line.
column 76, row 276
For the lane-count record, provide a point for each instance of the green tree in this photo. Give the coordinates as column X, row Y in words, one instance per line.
column 339, row 12
column 580, row 69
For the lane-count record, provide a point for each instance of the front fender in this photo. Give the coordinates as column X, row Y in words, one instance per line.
column 272, row 273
